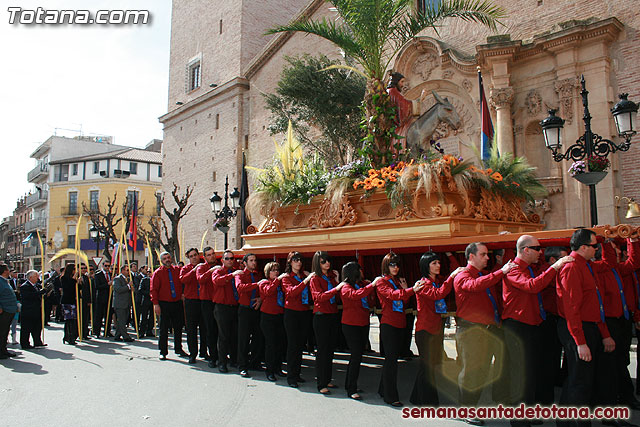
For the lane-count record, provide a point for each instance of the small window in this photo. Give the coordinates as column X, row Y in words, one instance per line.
column 73, row 203
column 158, row 204
column 423, row 4
column 132, row 197
column 74, row 169
column 71, row 236
column 94, row 195
column 133, row 168
column 194, row 75
column 96, row 168
column 217, row 121
column 160, row 171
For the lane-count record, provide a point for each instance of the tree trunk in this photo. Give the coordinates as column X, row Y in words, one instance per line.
column 380, row 125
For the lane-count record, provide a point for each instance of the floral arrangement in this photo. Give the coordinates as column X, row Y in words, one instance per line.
column 221, row 222
column 592, row 163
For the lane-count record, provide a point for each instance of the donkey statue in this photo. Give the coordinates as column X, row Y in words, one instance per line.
column 421, row 130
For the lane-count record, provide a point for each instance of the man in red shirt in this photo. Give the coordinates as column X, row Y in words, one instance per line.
column 225, row 296
column 250, row 340
column 477, row 323
column 522, row 314
column 193, row 312
column 581, row 328
column 166, row 296
column 203, row 275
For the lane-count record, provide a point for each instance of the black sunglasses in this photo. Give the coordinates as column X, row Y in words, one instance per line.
column 535, row 248
column 324, row 261
column 228, row 258
column 296, row 259
column 594, row 246
column 393, row 264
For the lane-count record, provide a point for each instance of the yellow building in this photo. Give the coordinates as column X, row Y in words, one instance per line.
column 88, row 181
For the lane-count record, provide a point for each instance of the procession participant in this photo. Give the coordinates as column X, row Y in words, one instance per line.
column 550, row 372
column 478, row 318
column 582, row 328
column 192, row 304
column 393, row 292
column 429, row 332
column 166, row 296
column 31, row 311
column 87, row 299
column 324, row 289
column 271, row 311
column 356, row 302
column 102, row 285
column 203, row 274
column 8, row 309
column 135, row 277
column 15, row 285
column 146, row 306
column 225, row 297
column 297, row 314
column 522, row 314
column 250, row 338
column 122, row 303
column 69, row 281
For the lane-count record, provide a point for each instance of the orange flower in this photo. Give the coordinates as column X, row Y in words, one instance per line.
column 380, row 184
column 474, row 169
column 515, row 183
column 496, row 176
column 373, row 173
column 393, row 179
column 357, row 184
column 488, row 171
column 368, row 187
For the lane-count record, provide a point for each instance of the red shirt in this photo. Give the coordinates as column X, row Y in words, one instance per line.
column 520, row 293
column 322, row 295
column 472, row 302
column 549, row 294
column 353, row 312
column 269, row 290
column 577, row 298
column 190, row 282
column 247, row 287
column 161, row 286
column 224, row 286
column 387, row 294
column 607, row 279
column 203, row 274
column 427, row 319
column 293, row 289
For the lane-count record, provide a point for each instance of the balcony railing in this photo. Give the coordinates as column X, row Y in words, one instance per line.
column 37, row 198
column 38, row 172
column 31, row 251
column 70, row 210
column 35, row 224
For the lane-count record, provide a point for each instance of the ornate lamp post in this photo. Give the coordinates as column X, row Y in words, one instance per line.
column 224, row 213
column 94, row 233
column 591, row 144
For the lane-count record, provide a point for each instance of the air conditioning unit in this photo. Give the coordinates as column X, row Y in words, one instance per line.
column 103, row 174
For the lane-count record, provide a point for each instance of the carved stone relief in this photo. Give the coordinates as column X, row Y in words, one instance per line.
column 566, row 90
column 501, row 97
column 448, row 74
column 425, row 64
column 466, row 84
column 533, row 102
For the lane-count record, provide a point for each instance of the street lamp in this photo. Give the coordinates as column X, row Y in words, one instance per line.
column 224, row 213
column 591, row 144
column 94, row 233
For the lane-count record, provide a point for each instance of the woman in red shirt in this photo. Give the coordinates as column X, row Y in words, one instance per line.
column 431, row 306
column 356, row 301
column 272, row 308
column 393, row 293
column 325, row 290
column 297, row 314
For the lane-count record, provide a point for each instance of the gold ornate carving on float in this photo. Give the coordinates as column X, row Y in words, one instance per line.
column 622, row 231
column 334, row 215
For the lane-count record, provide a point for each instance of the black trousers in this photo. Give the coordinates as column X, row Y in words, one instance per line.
column 296, row 325
column 587, row 382
column 30, row 325
column 548, row 372
column 392, row 339
column 621, row 332
column 210, row 328
column 5, row 325
column 326, row 329
column 146, row 316
column 273, row 329
column 478, row 344
column 250, row 338
column 424, row 391
column 356, row 337
column 405, row 350
column 226, row 318
column 100, row 311
column 86, row 314
column 171, row 314
column 523, row 348
column 193, row 313
column 70, row 330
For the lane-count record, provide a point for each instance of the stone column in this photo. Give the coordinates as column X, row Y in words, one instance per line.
column 501, row 99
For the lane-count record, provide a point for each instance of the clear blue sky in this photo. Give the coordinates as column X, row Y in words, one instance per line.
column 109, row 80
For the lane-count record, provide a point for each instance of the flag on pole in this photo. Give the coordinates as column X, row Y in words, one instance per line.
column 244, row 195
column 132, row 236
column 486, row 131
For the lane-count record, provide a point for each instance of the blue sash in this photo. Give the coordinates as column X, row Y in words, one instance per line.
column 233, row 285
column 329, row 287
column 635, row 280
column 365, row 303
column 543, row 313
column 598, row 294
column 254, row 293
column 441, row 305
column 280, row 297
column 305, row 291
column 496, row 313
column 624, row 300
column 397, row 306
column 171, row 284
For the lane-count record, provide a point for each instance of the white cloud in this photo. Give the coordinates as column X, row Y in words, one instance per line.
column 108, row 80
